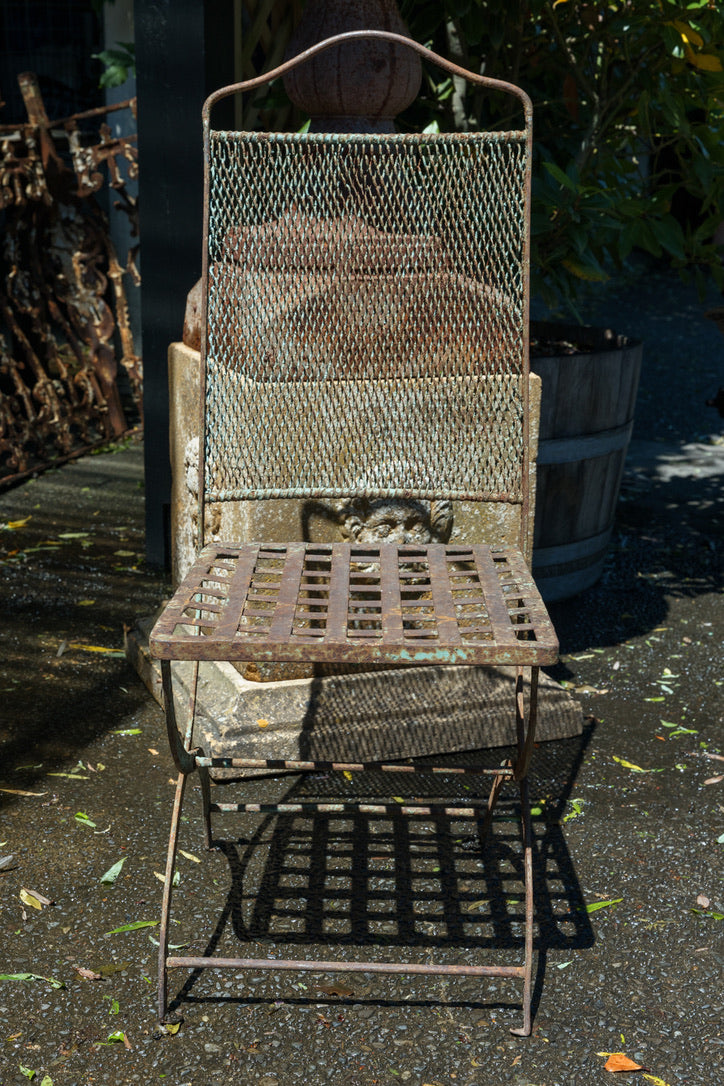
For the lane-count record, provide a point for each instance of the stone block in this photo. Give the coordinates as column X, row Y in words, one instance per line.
column 281, row 520
column 356, row 716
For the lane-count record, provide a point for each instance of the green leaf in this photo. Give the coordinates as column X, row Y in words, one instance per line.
column 560, row 176
column 27, row 1071
column 110, row 968
column 587, row 272
column 669, row 233
column 119, row 64
column 596, row 905
column 127, row 731
column 113, row 872
column 82, row 817
column 135, row 926
column 33, row 976
column 174, row 882
column 577, row 805
column 46, row 1081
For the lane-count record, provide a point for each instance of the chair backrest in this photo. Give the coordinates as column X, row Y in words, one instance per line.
column 366, row 312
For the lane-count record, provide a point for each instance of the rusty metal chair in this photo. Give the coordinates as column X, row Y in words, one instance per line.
column 365, row 334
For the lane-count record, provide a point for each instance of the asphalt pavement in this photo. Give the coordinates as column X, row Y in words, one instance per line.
column 629, row 818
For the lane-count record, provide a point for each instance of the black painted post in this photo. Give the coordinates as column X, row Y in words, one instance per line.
column 184, row 49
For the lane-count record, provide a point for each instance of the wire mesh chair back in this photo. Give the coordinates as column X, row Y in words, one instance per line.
column 366, row 315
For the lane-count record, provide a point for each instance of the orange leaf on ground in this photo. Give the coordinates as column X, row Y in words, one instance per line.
column 618, row 1062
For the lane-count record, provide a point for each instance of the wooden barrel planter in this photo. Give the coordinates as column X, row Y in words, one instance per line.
column 587, row 406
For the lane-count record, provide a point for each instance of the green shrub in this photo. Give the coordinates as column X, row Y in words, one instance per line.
column 628, row 124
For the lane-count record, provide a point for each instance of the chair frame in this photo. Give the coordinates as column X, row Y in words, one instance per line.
column 168, row 644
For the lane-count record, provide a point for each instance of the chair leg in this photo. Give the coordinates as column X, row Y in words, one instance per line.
column 497, row 784
column 525, row 732
column 167, row 892
column 204, row 781
column 527, row 833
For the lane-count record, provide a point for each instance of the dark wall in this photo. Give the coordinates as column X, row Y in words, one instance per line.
column 56, row 40
column 184, row 50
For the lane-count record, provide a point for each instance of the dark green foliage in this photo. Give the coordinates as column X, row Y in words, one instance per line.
column 119, row 63
column 629, row 124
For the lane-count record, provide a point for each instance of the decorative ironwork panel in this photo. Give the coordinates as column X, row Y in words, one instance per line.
column 365, row 326
column 63, row 299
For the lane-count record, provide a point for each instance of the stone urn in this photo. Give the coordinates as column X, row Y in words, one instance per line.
column 359, row 86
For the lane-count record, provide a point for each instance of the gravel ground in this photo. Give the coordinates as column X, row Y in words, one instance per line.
column 631, row 813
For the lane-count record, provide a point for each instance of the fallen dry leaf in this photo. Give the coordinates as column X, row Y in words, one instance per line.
column 703, row 900
column 190, row 856
column 33, row 898
column 629, row 765
column 335, row 990
column 20, row 792
column 715, row 780
column 87, row 974
column 42, row 899
column 617, row 1061
column 82, row 646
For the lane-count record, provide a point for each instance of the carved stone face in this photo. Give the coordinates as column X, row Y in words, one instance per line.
column 391, row 520
column 363, row 521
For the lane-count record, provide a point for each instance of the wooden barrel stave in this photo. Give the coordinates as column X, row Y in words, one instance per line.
column 587, row 407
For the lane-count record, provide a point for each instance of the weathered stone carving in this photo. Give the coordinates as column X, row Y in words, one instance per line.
column 363, row 520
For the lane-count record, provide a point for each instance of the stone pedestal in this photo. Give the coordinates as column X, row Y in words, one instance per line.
column 351, row 713
column 278, row 521
column 356, row 716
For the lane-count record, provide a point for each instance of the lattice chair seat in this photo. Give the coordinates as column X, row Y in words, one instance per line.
column 343, row 603
column 365, row 336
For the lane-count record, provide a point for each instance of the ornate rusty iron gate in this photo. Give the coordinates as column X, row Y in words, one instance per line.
column 63, row 307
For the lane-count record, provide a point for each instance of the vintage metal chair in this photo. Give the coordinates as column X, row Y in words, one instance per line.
column 365, row 333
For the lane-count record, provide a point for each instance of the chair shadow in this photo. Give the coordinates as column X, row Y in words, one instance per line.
column 391, row 884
